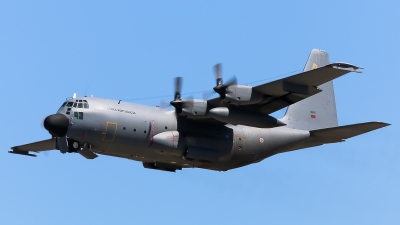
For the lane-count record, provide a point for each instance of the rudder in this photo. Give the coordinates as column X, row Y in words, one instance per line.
column 317, row 111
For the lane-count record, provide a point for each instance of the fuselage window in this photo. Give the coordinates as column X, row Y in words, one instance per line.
column 80, row 105
column 76, row 115
column 80, row 115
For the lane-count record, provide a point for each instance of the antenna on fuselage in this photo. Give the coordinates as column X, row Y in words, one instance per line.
column 74, row 96
column 87, row 88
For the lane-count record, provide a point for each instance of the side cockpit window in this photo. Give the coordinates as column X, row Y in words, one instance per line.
column 85, row 104
column 69, row 104
column 78, row 115
column 63, row 104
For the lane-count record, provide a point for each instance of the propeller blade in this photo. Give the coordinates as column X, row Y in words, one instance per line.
column 178, row 86
column 164, row 104
column 188, row 102
column 177, row 102
column 208, row 94
column 218, row 74
column 231, row 81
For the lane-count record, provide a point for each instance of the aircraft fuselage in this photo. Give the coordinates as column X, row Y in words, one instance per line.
column 153, row 135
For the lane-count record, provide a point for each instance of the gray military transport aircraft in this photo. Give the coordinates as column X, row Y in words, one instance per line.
column 224, row 133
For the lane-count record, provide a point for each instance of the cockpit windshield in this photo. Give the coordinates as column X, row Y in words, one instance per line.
column 76, row 104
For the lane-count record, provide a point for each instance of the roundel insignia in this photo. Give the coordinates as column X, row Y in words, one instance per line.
column 261, row 140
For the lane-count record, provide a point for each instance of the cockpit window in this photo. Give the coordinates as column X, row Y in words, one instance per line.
column 64, row 104
column 77, row 104
column 78, row 115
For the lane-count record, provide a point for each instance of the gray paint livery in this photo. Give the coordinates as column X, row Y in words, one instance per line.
column 220, row 134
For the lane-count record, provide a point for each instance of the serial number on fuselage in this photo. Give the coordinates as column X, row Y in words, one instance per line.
column 121, row 110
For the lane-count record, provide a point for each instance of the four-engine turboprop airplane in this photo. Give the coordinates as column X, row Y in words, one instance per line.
column 224, row 133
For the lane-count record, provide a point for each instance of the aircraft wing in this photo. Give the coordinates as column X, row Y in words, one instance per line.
column 289, row 90
column 45, row 145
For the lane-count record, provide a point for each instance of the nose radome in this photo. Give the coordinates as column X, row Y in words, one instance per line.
column 56, row 124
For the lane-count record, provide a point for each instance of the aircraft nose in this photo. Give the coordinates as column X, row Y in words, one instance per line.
column 56, row 124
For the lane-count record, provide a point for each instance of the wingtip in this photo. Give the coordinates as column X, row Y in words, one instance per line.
column 385, row 124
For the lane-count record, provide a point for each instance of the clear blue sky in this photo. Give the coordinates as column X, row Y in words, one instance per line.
column 132, row 50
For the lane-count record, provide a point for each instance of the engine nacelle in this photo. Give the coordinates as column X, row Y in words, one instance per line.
column 251, row 119
column 194, row 107
column 242, row 95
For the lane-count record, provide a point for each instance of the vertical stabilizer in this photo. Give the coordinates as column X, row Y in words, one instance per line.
column 317, row 111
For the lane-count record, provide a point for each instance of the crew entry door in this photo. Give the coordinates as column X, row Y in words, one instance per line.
column 111, row 130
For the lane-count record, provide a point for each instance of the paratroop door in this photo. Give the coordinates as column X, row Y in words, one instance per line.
column 111, row 130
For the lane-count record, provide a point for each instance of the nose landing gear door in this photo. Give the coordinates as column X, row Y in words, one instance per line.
column 111, row 130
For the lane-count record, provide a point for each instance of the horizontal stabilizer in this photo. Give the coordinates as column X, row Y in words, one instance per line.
column 331, row 135
column 338, row 134
column 39, row 146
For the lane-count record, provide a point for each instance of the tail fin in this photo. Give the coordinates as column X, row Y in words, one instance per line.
column 317, row 111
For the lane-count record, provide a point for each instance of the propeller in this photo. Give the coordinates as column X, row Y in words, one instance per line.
column 221, row 87
column 207, row 94
column 177, row 102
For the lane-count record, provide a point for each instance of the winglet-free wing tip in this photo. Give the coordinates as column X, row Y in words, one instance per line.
column 384, row 124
